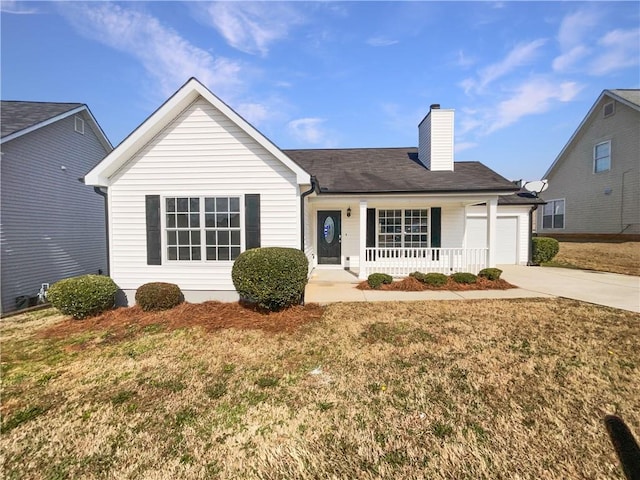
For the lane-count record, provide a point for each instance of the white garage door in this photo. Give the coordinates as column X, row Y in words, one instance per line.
column 506, row 231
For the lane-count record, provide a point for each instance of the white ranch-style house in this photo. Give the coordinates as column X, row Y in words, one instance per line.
column 195, row 184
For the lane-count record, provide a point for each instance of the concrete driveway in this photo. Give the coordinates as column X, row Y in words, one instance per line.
column 609, row 289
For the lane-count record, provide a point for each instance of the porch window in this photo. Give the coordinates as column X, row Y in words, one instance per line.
column 403, row 228
column 189, row 220
column 553, row 214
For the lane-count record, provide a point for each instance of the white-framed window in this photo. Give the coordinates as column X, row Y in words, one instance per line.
column 602, row 157
column 609, row 109
column 553, row 214
column 403, row 228
column 202, row 228
column 79, row 125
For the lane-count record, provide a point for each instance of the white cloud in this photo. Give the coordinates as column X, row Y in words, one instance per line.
column 571, row 38
column 464, row 61
column 165, row 55
column 254, row 113
column 19, row 8
column 565, row 61
column 575, row 26
column 252, row 27
column 621, row 49
column 309, row 130
column 534, row 96
column 381, row 42
column 522, row 54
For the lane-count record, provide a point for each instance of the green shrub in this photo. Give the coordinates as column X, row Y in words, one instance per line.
column 544, row 249
column 464, row 277
column 158, row 296
column 271, row 278
column 490, row 273
column 83, row 296
column 376, row 279
column 434, row 279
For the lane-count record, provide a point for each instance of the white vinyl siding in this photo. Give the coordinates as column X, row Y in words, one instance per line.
column 201, row 153
column 435, row 143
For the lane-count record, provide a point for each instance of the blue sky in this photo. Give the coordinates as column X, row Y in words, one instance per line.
column 520, row 75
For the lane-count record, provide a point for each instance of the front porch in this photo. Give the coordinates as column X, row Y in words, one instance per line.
column 399, row 235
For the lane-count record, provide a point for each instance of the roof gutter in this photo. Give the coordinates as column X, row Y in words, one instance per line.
column 315, row 187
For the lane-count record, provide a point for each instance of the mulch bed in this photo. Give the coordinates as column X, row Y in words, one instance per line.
column 410, row 284
column 127, row 322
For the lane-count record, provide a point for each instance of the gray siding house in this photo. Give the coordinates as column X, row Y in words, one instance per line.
column 594, row 183
column 52, row 226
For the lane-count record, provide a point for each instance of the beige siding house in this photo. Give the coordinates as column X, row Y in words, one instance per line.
column 594, row 183
column 195, row 185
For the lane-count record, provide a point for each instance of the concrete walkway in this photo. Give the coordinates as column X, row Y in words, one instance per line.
column 618, row 291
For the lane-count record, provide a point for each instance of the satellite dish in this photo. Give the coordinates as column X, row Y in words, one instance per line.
column 537, row 186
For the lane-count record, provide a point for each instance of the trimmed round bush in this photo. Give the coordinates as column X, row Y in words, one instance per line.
column 464, row 277
column 434, row 279
column 544, row 249
column 376, row 279
column 490, row 273
column 83, row 296
column 271, row 278
column 158, row 296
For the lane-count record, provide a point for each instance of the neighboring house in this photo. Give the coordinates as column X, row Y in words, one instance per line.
column 195, row 185
column 594, row 184
column 52, row 226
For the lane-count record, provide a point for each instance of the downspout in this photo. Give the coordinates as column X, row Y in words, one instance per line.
column 106, row 221
column 314, row 188
column 530, row 260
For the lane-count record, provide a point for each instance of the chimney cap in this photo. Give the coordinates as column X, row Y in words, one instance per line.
column 434, row 106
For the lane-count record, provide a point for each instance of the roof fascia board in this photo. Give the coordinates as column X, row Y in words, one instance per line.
column 100, row 175
column 422, row 195
column 42, row 124
column 605, row 93
column 623, row 100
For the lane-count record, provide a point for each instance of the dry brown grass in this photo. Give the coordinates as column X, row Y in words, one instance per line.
column 443, row 390
column 605, row 257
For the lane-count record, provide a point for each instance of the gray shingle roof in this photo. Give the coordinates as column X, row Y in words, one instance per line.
column 16, row 116
column 630, row 95
column 392, row 170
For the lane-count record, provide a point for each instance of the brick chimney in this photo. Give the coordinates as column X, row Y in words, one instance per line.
column 435, row 139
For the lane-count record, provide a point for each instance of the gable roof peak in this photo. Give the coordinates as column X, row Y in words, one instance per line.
column 164, row 115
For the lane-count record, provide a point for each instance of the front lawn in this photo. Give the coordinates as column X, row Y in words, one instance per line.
column 433, row 389
column 601, row 256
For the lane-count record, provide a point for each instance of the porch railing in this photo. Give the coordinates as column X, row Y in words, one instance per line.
column 403, row 261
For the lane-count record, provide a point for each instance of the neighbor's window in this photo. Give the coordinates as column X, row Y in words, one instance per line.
column 553, row 214
column 189, row 220
column 602, row 157
column 403, row 228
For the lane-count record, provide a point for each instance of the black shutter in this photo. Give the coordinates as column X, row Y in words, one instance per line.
column 436, row 239
column 154, row 243
column 252, row 220
column 371, row 227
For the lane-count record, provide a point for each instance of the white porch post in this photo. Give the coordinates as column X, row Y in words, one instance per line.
column 492, row 215
column 362, row 274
